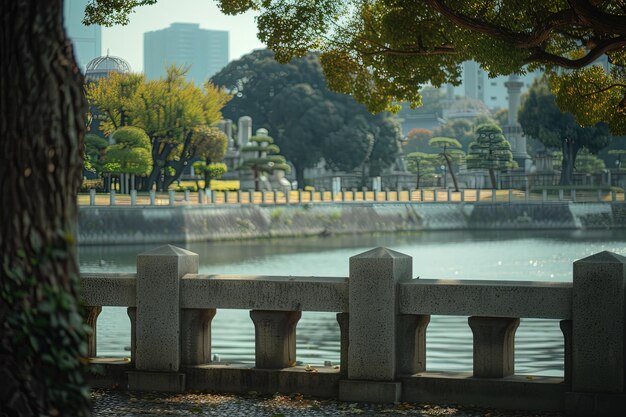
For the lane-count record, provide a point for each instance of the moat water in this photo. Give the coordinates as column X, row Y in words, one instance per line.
column 515, row 255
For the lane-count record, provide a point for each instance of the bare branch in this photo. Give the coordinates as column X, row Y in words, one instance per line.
column 604, row 89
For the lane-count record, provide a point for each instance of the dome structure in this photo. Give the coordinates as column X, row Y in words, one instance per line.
column 101, row 67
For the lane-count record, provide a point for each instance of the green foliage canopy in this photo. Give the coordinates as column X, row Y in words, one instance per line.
column 308, row 121
column 169, row 110
column 540, row 118
column 490, row 151
column 379, row 51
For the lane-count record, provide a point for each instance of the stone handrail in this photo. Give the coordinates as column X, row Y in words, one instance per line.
column 526, row 299
column 383, row 315
column 264, row 293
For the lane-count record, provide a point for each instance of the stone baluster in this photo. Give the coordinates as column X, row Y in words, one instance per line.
column 411, row 343
column 112, row 198
column 186, row 196
column 275, row 338
column 200, row 196
column 494, row 346
column 132, row 315
column 344, row 335
column 566, row 328
column 92, row 318
column 195, row 335
column 152, row 197
column 172, row 197
column 92, row 197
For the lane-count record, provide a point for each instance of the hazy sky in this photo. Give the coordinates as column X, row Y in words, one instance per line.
column 127, row 41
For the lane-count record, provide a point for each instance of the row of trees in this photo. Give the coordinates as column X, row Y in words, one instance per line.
column 172, row 113
column 490, row 151
column 541, row 119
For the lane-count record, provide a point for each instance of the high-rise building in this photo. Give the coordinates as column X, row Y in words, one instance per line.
column 493, row 92
column 87, row 40
column 206, row 51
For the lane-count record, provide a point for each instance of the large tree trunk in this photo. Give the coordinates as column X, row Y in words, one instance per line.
column 42, row 123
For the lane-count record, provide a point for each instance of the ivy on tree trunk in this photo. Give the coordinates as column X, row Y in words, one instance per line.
column 42, row 124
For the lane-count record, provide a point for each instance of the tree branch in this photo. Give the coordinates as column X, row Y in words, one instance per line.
column 520, row 40
column 604, row 89
column 600, row 20
column 540, row 55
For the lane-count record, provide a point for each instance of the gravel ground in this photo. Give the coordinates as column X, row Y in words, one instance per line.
column 113, row 403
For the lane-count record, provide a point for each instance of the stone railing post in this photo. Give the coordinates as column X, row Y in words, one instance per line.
column 462, row 196
column 133, row 197
column 112, row 198
column 275, row 338
column 448, row 196
column 435, row 195
column 92, row 197
column 186, row 196
column 421, row 196
column 494, row 346
column 573, row 195
column 92, row 318
column 213, row 196
column 172, row 197
column 152, row 197
column 195, row 335
column 599, row 195
column 494, row 196
column 544, row 195
column 598, row 332
column 372, row 344
column 158, row 318
column 561, row 195
column 613, row 196
column 200, row 196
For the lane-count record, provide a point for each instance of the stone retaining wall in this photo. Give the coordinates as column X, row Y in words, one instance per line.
column 118, row 225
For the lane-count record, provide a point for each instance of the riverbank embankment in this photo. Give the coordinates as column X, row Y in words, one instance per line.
column 153, row 224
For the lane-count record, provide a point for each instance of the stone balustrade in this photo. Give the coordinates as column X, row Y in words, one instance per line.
column 383, row 315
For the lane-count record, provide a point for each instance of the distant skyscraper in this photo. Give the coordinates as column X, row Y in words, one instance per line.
column 87, row 40
column 185, row 44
